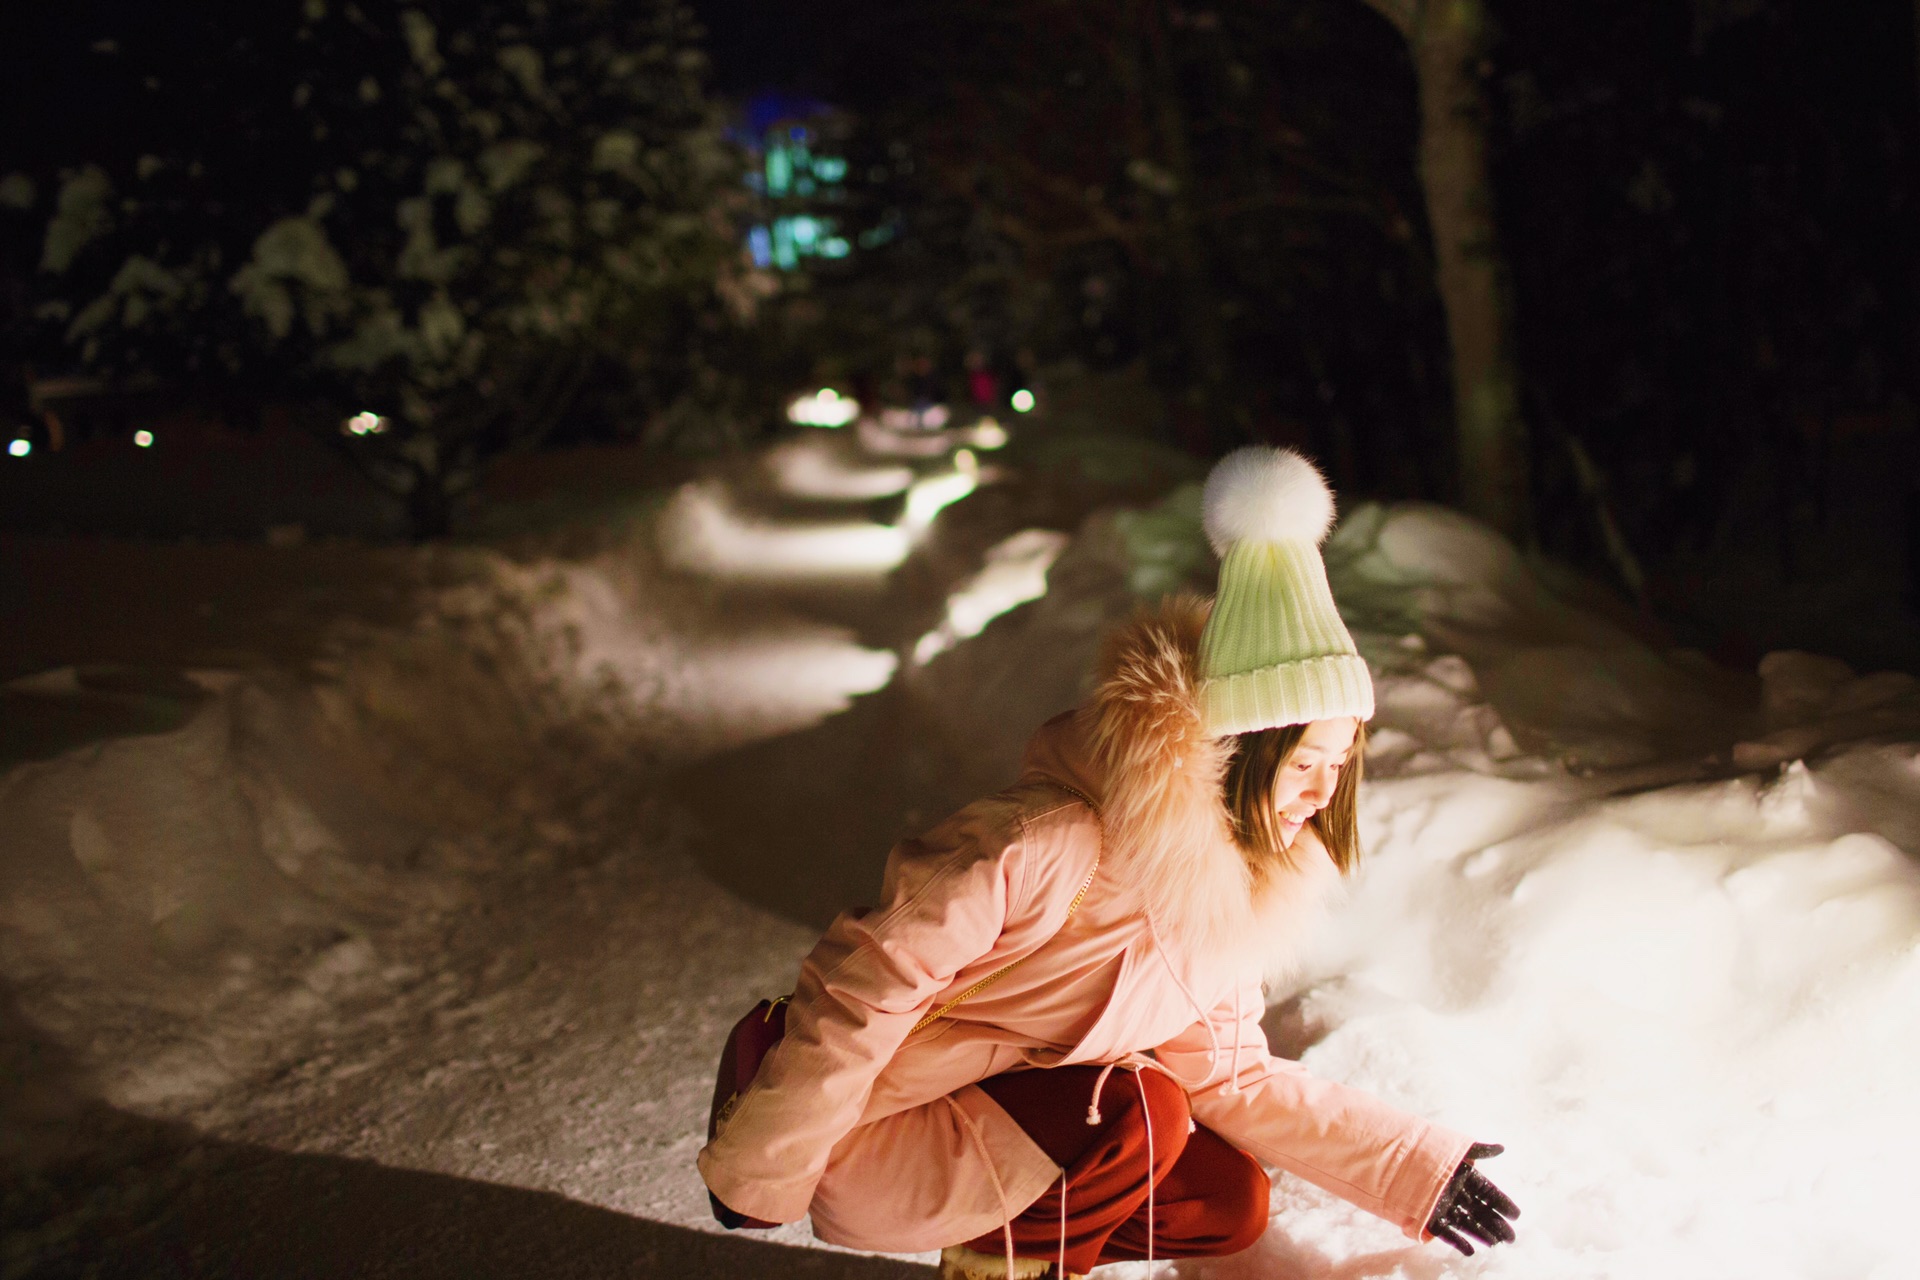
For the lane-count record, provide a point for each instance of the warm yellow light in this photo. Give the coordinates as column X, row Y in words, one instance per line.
column 929, row 497
column 824, row 408
column 703, row 532
column 364, row 423
column 989, row 434
column 143, row 439
column 806, row 468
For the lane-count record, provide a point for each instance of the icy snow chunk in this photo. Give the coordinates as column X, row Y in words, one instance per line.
column 341, row 965
column 1567, row 684
column 1798, row 685
column 182, row 1072
column 1451, row 671
column 1810, row 701
column 94, row 850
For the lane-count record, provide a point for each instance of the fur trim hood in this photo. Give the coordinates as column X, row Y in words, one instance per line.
column 1139, row 748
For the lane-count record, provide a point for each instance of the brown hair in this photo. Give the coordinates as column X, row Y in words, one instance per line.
column 1253, row 771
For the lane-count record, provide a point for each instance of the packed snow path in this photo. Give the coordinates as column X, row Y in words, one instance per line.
column 1650, row 924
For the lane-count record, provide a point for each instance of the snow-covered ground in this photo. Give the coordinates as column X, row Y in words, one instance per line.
column 436, row 923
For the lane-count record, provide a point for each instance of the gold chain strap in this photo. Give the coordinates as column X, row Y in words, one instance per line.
column 1004, row 970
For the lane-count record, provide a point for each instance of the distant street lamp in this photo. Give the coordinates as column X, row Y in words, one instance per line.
column 20, row 448
column 1023, row 401
column 143, row 439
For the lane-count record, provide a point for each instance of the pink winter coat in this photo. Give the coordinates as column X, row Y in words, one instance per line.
column 882, row 1134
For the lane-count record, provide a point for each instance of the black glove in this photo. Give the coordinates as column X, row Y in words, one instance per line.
column 733, row 1219
column 1473, row 1206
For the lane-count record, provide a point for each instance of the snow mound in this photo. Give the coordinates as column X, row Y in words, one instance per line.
column 1568, row 672
column 1653, row 925
column 178, row 908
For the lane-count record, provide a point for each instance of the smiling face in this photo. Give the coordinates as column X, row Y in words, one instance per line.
column 1280, row 779
column 1310, row 774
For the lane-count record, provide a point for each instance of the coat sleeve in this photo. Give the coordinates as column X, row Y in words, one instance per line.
column 945, row 901
column 1387, row 1161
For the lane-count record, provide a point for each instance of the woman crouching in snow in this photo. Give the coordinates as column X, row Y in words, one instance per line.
column 1044, row 1048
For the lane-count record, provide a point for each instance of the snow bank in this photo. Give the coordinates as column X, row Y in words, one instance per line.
column 178, row 908
column 1690, row 1012
column 1568, row 672
column 176, row 903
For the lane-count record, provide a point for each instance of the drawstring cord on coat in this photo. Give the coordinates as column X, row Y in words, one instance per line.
column 1233, row 1072
column 1093, row 1104
column 1148, row 1117
column 1213, row 1040
column 1093, row 1118
column 999, row 1188
column 1060, row 1272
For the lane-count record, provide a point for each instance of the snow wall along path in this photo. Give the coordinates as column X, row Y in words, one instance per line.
column 175, row 907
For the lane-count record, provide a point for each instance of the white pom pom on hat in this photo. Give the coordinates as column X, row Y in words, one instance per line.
column 1275, row 650
column 1263, row 494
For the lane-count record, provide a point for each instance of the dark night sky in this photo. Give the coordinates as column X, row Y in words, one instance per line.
column 759, row 45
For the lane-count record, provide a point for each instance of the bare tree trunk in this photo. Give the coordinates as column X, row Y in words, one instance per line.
column 1445, row 38
column 1910, row 499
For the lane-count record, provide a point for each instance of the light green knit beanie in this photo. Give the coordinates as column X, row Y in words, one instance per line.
column 1274, row 651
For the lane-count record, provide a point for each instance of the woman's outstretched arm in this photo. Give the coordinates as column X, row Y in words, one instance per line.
column 1390, row 1162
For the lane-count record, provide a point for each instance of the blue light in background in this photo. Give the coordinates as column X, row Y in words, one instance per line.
column 796, row 182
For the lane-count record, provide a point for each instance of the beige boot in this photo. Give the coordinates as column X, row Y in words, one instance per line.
column 957, row 1262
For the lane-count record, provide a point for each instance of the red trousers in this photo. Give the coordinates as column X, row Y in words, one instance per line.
column 1209, row 1197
